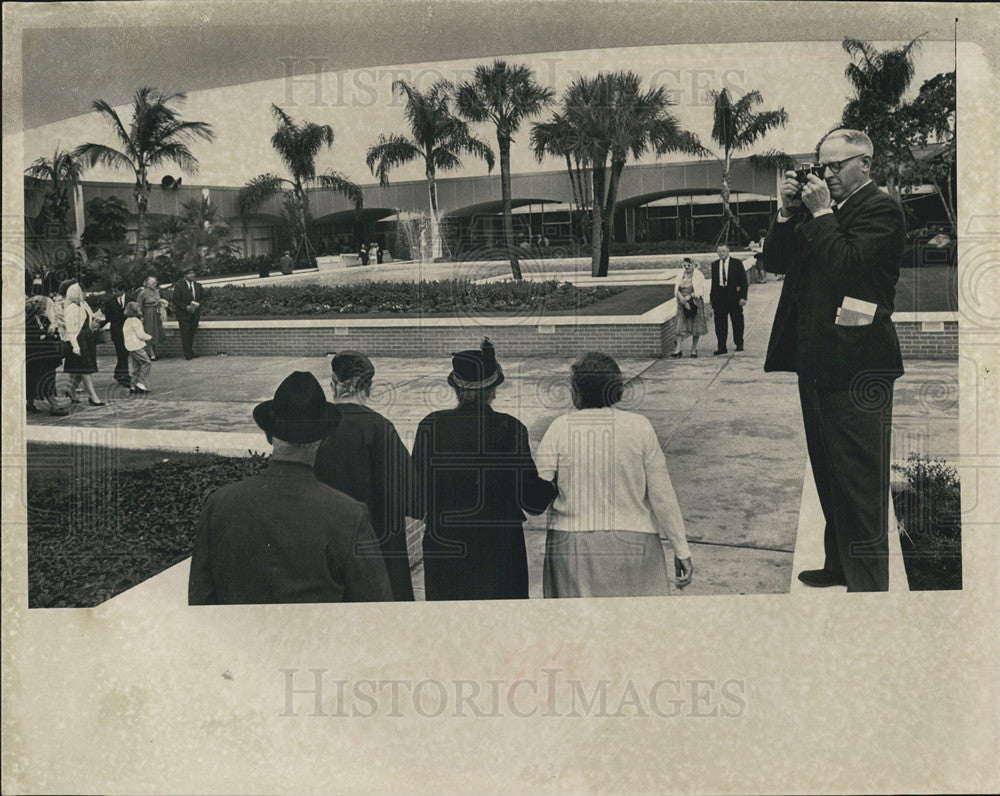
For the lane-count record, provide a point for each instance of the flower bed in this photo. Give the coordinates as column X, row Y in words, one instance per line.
column 101, row 521
column 239, row 301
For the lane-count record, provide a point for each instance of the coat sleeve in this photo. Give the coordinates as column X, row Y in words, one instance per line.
column 535, row 493
column 421, row 469
column 201, row 587
column 365, row 578
column 403, row 482
column 662, row 496
column 851, row 258
column 742, row 285
column 780, row 246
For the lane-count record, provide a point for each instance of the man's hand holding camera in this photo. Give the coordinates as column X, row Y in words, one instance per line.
column 804, row 187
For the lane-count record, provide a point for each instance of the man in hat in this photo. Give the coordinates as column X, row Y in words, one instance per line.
column 476, row 473
column 365, row 458
column 282, row 536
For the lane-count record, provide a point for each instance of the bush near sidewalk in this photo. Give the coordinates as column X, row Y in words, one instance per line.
column 238, row 301
column 928, row 508
column 102, row 521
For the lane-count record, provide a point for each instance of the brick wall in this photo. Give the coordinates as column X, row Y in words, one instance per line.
column 917, row 339
column 621, row 340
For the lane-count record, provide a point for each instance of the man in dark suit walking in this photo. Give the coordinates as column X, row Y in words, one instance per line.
column 186, row 301
column 728, row 297
column 833, row 328
column 282, row 536
column 114, row 316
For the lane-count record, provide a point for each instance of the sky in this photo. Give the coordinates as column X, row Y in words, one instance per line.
column 806, row 78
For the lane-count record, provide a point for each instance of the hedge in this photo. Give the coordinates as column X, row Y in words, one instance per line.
column 95, row 533
column 241, row 301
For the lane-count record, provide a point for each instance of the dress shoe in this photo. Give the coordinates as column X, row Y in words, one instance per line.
column 822, row 578
column 694, row 355
column 739, row 348
column 676, row 355
column 719, row 351
column 58, row 412
column 32, row 409
column 96, row 403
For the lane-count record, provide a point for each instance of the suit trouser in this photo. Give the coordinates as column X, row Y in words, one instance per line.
column 121, row 366
column 188, row 325
column 724, row 311
column 848, row 435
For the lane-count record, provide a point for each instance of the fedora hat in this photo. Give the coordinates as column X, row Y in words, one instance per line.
column 299, row 411
column 476, row 370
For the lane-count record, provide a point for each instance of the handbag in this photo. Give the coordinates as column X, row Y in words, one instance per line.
column 690, row 309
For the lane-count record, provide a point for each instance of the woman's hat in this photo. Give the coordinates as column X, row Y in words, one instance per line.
column 299, row 411
column 348, row 364
column 476, row 370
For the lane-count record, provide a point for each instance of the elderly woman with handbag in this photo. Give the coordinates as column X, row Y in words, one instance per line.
column 81, row 342
column 692, row 290
column 154, row 312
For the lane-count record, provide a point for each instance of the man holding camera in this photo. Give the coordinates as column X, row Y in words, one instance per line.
column 839, row 242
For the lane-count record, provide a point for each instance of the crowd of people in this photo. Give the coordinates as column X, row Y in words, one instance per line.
column 471, row 478
column 61, row 330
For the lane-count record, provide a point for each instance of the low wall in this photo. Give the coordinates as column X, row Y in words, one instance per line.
column 648, row 335
column 921, row 336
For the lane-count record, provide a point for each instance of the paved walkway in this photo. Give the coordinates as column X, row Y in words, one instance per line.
column 732, row 435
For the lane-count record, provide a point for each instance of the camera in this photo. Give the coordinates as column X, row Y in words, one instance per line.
column 803, row 170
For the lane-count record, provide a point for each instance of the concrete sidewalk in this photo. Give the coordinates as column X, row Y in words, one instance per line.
column 731, row 433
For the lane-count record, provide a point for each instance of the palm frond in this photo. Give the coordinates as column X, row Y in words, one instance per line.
column 259, row 190
column 388, row 153
column 335, row 181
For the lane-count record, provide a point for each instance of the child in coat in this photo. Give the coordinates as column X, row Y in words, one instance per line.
column 139, row 363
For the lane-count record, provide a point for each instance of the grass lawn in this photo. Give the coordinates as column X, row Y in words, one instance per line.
column 102, row 520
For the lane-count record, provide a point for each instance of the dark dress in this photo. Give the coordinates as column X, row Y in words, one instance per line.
column 43, row 354
column 366, row 459
column 478, row 477
column 86, row 361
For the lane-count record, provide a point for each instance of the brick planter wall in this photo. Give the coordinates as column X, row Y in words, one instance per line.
column 921, row 336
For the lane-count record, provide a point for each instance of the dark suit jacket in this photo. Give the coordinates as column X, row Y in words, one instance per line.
column 478, row 478
column 855, row 253
column 736, row 287
column 114, row 315
column 182, row 296
column 284, row 537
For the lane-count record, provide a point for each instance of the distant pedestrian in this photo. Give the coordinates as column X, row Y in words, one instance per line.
column 187, row 299
column 286, row 264
column 478, row 478
column 690, row 320
column 379, row 254
column 281, row 536
column 81, row 357
column 373, row 253
column 363, row 254
column 135, row 339
column 154, row 313
column 365, row 458
column 728, row 297
column 615, row 499
column 757, row 272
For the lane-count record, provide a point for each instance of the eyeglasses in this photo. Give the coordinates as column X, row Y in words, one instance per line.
column 837, row 165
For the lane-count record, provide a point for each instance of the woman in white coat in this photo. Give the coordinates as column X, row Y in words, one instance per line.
column 692, row 295
column 81, row 358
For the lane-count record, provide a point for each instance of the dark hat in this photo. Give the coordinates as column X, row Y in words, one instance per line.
column 348, row 364
column 476, row 370
column 299, row 411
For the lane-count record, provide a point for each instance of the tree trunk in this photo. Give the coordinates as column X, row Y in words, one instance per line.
column 508, row 220
column 140, row 205
column 435, row 231
column 609, row 216
column 597, row 214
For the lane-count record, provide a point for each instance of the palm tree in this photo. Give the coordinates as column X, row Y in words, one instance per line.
column 156, row 135
column 438, row 137
column 615, row 119
column 558, row 138
column 62, row 174
column 297, row 144
column 505, row 95
column 737, row 127
column 194, row 238
column 880, row 79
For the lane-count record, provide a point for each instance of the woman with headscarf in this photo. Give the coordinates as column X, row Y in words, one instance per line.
column 43, row 353
column 476, row 473
column 692, row 290
column 365, row 458
column 81, row 358
column 615, row 498
column 153, row 309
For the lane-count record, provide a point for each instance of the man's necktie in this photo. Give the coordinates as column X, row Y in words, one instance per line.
column 722, row 272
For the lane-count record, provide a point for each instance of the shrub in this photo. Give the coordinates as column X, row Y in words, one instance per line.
column 94, row 533
column 661, row 247
column 929, row 508
column 236, row 301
